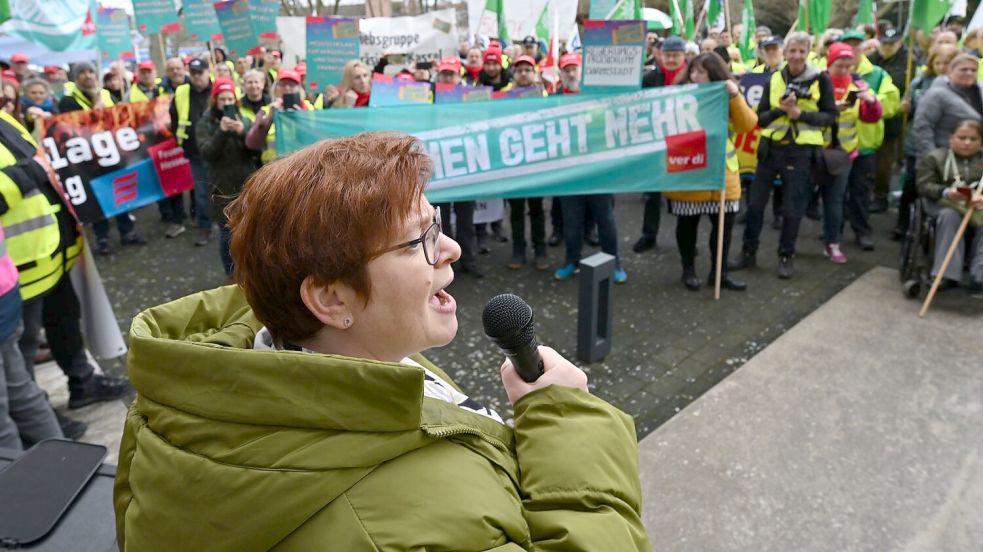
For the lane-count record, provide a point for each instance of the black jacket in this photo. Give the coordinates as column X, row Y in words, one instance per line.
column 199, row 105
column 485, row 80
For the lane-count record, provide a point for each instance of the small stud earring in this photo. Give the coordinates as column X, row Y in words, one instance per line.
column 348, row 322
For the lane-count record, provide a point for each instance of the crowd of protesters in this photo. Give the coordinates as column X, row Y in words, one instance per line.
column 832, row 131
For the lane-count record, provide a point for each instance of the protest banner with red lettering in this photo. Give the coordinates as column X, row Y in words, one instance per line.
column 746, row 143
column 114, row 160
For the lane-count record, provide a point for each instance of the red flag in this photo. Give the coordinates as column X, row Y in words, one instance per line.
column 88, row 27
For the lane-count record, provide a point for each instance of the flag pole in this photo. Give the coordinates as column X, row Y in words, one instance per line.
column 907, row 78
column 730, row 29
column 163, row 50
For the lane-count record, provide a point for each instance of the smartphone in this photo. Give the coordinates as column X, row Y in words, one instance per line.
column 291, row 99
column 230, row 111
column 851, row 97
column 396, row 59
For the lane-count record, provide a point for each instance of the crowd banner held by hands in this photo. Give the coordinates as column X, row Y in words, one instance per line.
column 200, row 20
column 449, row 93
column 388, row 92
column 114, row 160
column 235, row 17
column 331, row 42
column 58, row 30
column 427, row 37
column 746, row 143
column 614, row 52
column 155, row 16
column 113, row 33
column 671, row 138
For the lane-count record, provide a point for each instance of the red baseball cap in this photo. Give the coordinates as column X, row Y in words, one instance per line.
column 148, row 65
column 525, row 59
column 49, row 69
column 492, row 55
column 222, row 85
column 572, row 58
column 450, row 63
column 839, row 50
column 18, row 58
column 289, row 74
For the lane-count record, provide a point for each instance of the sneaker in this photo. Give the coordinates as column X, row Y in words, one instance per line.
column 833, row 252
column 785, row 267
column 133, row 238
column 99, row 388
column 556, row 238
column 865, row 243
column 566, row 272
column 517, row 260
column 620, row 276
column 71, row 429
column 542, row 262
column 204, row 234
column 643, row 244
column 746, row 259
column 103, row 248
column 173, row 230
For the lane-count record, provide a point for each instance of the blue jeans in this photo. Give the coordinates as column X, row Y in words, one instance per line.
column 224, row 238
column 123, row 223
column 833, row 193
column 201, row 193
column 601, row 209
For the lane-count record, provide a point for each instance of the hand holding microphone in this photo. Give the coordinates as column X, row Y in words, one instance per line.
column 509, row 322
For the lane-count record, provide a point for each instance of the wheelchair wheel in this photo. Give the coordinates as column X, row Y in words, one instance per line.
column 911, row 244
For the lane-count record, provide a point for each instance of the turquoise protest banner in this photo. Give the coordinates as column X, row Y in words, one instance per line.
column 113, row 33
column 331, row 42
column 155, row 16
column 671, row 138
column 235, row 19
column 200, row 20
column 264, row 14
column 614, row 52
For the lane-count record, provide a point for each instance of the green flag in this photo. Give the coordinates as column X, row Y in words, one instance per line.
column 681, row 12
column 865, row 13
column 543, row 24
column 713, row 13
column 747, row 38
column 926, row 14
column 503, row 32
column 4, row 10
column 819, row 15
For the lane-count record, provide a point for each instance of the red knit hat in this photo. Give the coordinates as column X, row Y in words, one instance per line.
column 837, row 51
column 222, row 85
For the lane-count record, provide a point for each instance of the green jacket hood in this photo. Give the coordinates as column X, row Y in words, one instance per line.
column 230, row 420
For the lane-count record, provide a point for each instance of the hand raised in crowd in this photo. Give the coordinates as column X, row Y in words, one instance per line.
column 906, row 105
column 350, row 98
column 331, row 93
column 556, row 371
column 38, row 113
column 231, row 125
column 277, row 104
column 732, row 88
column 868, row 96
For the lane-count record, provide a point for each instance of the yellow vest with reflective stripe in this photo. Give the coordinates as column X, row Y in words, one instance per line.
column 85, row 103
column 733, row 164
column 182, row 103
column 804, row 134
column 31, row 228
column 269, row 154
column 846, row 122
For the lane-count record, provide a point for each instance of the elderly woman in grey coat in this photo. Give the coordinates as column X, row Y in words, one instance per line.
column 950, row 101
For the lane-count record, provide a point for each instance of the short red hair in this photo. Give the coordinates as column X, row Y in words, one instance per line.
column 324, row 212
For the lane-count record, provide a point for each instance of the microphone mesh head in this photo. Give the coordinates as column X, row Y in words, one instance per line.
column 508, row 317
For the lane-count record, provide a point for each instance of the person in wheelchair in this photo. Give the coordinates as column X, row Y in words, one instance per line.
column 947, row 180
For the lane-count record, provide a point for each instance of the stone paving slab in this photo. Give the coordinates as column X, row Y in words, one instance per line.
column 857, row 430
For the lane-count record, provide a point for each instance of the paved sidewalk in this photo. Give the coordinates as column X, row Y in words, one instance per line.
column 858, row 430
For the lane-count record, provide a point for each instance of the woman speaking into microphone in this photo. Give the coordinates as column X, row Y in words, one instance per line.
column 294, row 411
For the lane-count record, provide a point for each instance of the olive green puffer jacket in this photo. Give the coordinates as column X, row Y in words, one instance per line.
column 233, row 448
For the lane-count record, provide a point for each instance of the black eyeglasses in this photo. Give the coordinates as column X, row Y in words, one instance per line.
column 430, row 239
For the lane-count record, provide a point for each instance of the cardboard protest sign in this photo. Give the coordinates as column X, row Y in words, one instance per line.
column 387, row 91
column 155, row 16
column 200, row 20
column 614, row 52
column 427, row 37
column 331, row 43
column 113, row 33
column 449, row 93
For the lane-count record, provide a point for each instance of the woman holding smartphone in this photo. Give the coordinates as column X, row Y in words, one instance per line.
column 221, row 138
column 854, row 102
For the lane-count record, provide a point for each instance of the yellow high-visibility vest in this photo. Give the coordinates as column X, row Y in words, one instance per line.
column 781, row 128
